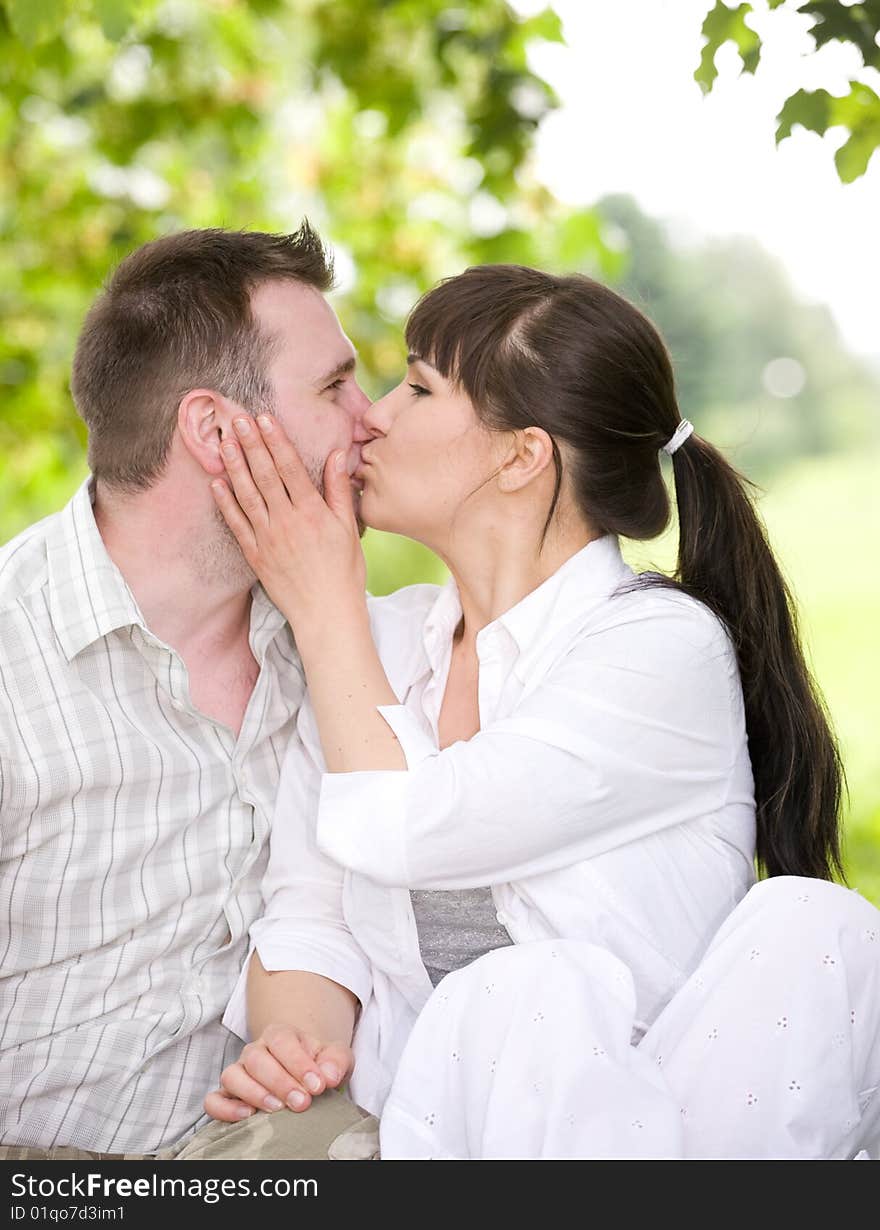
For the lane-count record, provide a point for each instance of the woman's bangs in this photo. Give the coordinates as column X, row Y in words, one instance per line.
column 452, row 328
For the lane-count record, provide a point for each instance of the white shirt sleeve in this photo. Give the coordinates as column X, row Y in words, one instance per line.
column 636, row 729
column 303, row 926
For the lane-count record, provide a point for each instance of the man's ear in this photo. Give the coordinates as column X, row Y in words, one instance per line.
column 529, row 454
column 204, row 419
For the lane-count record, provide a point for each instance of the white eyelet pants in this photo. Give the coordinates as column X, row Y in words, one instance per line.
column 771, row 1049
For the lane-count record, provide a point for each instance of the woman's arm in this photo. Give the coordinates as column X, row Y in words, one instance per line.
column 306, row 551
column 635, row 730
column 309, row 1002
column 348, row 686
column 302, row 1026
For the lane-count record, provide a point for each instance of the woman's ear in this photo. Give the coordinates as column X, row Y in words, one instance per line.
column 204, row 419
column 529, row 454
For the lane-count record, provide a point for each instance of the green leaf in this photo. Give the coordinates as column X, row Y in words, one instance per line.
column 725, row 25
column 858, row 111
column 809, row 108
column 35, row 21
column 854, row 155
column 545, row 25
column 858, row 108
column 116, row 17
column 856, row 23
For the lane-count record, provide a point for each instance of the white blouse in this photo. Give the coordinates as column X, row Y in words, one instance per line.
column 608, row 796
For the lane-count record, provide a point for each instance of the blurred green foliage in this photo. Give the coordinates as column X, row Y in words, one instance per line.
column 858, row 111
column 764, row 375
column 400, row 129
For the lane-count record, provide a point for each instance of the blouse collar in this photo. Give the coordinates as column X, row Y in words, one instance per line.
column 586, row 579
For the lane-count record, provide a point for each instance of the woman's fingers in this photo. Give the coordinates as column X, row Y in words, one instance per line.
column 296, row 1053
column 219, row 1105
column 248, row 494
column 338, row 492
column 260, row 466
column 336, row 1062
column 260, row 1080
column 260, row 1065
column 285, row 461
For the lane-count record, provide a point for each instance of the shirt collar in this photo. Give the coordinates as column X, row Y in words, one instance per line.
column 439, row 627
column 88, row 595
column 266, row 622
column 585, row 580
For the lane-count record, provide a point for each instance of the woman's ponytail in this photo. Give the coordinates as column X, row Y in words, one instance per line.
column 725, row 561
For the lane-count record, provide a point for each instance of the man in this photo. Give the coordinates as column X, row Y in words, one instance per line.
column 148, row 689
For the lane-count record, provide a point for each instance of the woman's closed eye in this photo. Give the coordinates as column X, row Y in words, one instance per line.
column 419, row 390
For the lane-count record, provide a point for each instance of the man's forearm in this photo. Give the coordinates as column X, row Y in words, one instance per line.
column 314, row 1004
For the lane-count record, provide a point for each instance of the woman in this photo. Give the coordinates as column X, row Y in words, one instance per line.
column 550, row 753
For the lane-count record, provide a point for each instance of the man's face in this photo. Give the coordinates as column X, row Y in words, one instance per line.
column 317, row 398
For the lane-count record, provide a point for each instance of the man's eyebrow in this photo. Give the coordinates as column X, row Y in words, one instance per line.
column 341, row 369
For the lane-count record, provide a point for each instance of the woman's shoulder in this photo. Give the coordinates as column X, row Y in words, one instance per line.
column 652, row 612
column 652, row 651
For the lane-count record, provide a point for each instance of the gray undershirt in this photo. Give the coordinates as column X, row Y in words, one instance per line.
column 455, row 927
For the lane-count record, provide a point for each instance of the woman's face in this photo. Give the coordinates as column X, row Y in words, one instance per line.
column 428, row 471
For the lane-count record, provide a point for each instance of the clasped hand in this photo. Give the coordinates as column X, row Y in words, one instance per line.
column 284, row 1067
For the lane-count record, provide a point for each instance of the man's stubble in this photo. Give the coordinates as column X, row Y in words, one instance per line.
column 219, row 555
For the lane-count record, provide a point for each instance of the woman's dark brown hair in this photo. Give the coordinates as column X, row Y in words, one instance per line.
column 569, row 355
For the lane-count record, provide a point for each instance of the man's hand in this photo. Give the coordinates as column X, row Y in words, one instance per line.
column 284, row 1067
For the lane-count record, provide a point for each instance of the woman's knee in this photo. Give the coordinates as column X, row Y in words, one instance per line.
column 795, row 904
column 565, row 971
column 547, row 959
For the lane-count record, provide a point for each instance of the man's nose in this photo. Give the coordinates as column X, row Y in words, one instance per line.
column 378, row 417
column 360, row 410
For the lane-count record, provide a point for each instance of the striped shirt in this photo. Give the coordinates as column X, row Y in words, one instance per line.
column 133, row 841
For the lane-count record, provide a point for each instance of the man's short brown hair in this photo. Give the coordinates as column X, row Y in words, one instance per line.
column 174, row 316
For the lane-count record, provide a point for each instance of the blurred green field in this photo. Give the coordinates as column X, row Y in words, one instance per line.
column 822, row 514
column 824, row 517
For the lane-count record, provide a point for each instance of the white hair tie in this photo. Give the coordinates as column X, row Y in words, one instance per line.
column 682, row 431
